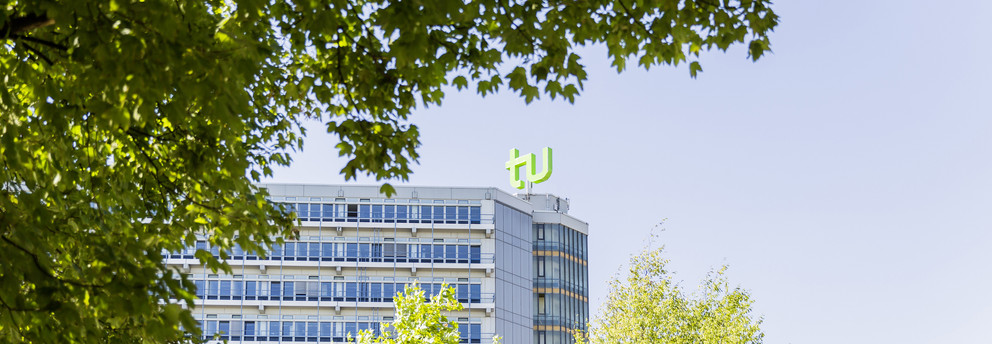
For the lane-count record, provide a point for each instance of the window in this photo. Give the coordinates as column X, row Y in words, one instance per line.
column 475, row 293
column 327, row 251
column 390, row 212
column 328, row 213
column 364, row 213
column 541, row 304
column 425, row 213
column 200, row 288
column 450, row 214
column 274, row 291
column 475, row 254
column 249, row 330
column 474, row 214
column 540, row 266
column 273, row 330
column 236, row 288
column 540, row 231
column 352, row 212
column 315, row 251
column 250, row 290
column 213, row 289
column 301, row 251
column 287, row 290
column 224, row 327
column 290, row 250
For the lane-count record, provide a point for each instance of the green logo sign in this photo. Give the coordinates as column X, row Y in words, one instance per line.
column 530, row 161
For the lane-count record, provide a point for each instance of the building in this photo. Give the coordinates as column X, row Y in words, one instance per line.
column 518, row 264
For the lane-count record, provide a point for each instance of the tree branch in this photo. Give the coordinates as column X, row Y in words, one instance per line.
column 29, row 22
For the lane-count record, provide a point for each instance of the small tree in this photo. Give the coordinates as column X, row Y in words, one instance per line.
column 649, row 307
column 419, row 322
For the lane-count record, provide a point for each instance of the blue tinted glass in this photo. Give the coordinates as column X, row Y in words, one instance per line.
column 476, row 253
column 302, row 210
column 376, row 290
column 439, row 212
column 351, row 328
column 363, row 251
column 328, row 211
column 301, row 329
column 287, row 289
column 325, row 329
column 363, row 211
column 450, row 213
column 401, row 212
column 290, row 249
column 301, row 249
column 213, row 288
column 287, row 328
column 326, row 288
column 314, row 210
column 425, row 212
column 250, row 288
column 462, row 251
column 475, row 331
column 314, row 249
column 225, row 288
column 249, row 328
column 475, row 292
column 274, row 328
column 328, row 250
column 276, row 251
column 388, row 292
column 475, row 214
column 425, row 250
column 274, row 289
column 438, row 251
column 352, row 250
column 351, row 290
column 312, row 329
column 390, row 212
column 376, row 211
column 451, row 251
column 224, row 327
column 211, row 328
column 200, row 288
column 463, row 213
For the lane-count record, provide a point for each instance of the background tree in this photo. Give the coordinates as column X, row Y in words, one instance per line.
column 127, row 127
column 417, row 321
column 648, row 306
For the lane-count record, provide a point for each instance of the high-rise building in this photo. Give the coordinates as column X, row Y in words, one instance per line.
column 518, row 264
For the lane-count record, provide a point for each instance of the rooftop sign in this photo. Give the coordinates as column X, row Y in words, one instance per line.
column 530, row 162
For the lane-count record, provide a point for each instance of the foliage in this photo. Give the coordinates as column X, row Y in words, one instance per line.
column 649, row 307
column 126, row 127
column 419, row 322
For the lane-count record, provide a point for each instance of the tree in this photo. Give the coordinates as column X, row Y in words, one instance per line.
column 130, row 126
column 649, row 307
column 418, row 322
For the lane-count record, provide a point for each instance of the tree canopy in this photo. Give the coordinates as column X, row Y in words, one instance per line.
column 648, row 306
column 127, row 127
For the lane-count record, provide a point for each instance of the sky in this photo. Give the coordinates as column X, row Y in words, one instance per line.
column 845, row 178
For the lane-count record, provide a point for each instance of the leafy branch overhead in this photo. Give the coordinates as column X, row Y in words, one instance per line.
column 129, row 127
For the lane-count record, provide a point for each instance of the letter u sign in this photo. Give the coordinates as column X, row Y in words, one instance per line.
column 530, row 161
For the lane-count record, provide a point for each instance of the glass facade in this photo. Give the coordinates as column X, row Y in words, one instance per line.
column 561, row 295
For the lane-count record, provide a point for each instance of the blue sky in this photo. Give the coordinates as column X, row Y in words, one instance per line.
column 845, row 178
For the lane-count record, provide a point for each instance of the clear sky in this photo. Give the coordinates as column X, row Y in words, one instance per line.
column 846, row 178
